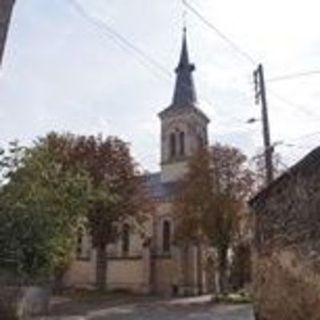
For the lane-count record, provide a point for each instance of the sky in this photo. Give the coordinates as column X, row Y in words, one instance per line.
column 63, row 72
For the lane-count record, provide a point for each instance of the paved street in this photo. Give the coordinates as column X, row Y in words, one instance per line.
column 169, row 312
column 179, row 309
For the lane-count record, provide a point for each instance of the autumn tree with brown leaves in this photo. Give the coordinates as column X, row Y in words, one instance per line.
column 118, row 192
column 211, row 198
column 259, row 169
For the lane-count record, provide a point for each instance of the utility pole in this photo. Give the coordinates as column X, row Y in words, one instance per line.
column 260, row 96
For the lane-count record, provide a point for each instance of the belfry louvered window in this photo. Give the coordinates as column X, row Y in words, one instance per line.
column 125, row 239
column 173, row 147
column 182, row 143
column 166, row 236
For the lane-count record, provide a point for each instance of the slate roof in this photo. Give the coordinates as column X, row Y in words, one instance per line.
column 307, row 165
column 158, row 189
column 184, row 91
column 184, row 95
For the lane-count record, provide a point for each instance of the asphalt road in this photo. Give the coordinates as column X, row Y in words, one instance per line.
column 198, row 308
column 168, row 311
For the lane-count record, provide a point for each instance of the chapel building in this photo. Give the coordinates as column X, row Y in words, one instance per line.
column 146, row 259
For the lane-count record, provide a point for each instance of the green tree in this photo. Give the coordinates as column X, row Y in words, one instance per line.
column 41, row 208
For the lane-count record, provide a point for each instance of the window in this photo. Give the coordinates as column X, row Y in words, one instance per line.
column 181, row 140
column 79, row 243
column 166, row 236
column 83, row 246
column 125, row 239
column 172, row 145
column 201, row 141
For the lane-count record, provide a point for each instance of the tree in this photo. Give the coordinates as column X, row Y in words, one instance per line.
column 259, row 169
column 211, row 199
column 194, row 198
column 118, row 188
column 41, row 208
column 240, row 273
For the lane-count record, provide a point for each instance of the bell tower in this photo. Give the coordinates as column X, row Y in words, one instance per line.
column 183, row 124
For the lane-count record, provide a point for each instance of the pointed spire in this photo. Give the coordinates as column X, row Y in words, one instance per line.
column 184, row 92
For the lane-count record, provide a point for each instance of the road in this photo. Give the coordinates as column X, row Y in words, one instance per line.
column 167, row 311
column 130, row 308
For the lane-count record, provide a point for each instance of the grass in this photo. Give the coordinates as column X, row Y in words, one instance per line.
column 233, row 298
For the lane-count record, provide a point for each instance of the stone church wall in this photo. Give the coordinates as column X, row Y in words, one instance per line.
column 126, row 274
column 164, row 276
column 81, row 274
column 122, row 274
column 287, row 248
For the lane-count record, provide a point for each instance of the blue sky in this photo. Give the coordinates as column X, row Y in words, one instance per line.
column 60, row 72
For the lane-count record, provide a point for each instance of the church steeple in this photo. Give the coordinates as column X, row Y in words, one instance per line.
column 184, row 127
column 184, row 91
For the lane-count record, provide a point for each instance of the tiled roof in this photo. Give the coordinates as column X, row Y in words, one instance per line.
column 158, row 189
column 307, row 165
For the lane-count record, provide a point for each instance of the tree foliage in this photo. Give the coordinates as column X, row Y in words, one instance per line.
column 211, row 199
column 118, row 189
column 40, row 208
column 49, row 189
column 259, row 169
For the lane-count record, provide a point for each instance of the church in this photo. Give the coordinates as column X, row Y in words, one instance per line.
column 145, row 259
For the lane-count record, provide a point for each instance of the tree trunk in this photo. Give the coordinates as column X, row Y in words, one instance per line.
column 101, row 268
column 222, row 268
column 58, row 281
column 199, row 269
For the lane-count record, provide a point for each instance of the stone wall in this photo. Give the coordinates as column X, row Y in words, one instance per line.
column 287, row 246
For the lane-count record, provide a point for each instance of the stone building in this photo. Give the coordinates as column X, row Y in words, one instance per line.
column 6, row 7
column 287, row 244
column 145, row 258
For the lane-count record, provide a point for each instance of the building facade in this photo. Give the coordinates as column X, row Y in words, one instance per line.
column 6, row 7
column 145, row 259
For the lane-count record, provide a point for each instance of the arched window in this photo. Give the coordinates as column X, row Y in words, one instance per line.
column 79, row 243
column 201, row 141
column 181, row 142
column 125, row 239
column 83, row 245
column 166, row 236
column 172, row 145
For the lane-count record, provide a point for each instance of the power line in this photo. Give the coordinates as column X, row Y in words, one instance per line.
column 294, row 76
column 113, row 34
column 299, row 107
column 219, row 33
column 308, row 135
column 252, row 60
column 149, row 61
column 128, row 45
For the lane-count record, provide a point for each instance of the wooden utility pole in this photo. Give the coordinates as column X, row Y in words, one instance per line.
column 260, row 95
